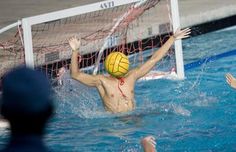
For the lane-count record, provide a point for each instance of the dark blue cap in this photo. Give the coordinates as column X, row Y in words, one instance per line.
column 25, row 93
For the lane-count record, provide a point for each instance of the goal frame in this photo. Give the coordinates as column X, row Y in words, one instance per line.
column 28, row 22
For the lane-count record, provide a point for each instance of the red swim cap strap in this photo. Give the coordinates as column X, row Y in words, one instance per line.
column 121, row 82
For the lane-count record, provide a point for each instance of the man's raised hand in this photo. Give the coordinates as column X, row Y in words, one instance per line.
column 180, row 34
column 74, row 43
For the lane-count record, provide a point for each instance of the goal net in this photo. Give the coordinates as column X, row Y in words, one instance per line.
column 136, row 28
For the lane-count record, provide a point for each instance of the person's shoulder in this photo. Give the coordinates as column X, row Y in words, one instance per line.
column 101, row 78
column 131, row 75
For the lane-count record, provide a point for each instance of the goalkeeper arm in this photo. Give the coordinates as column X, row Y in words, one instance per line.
column 159, row 54
column 87, row 79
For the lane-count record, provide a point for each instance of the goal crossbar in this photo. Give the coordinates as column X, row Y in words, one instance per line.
column 77, row 11
column 29, row 21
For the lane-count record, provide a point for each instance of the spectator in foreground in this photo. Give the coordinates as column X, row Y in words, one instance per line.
column 27, row 105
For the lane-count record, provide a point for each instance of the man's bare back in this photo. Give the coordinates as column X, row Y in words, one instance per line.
column 118, row 93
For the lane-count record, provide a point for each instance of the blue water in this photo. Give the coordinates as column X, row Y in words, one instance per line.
column 196, row 114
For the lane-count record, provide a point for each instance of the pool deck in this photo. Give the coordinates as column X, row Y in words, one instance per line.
column 192, row 12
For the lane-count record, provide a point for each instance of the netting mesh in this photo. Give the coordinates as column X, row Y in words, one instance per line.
column 11, row 51
column 132, row 29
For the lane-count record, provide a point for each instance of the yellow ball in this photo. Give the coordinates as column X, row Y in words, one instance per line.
column 117, row 64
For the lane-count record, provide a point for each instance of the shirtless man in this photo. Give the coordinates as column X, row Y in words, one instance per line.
column 118, row 93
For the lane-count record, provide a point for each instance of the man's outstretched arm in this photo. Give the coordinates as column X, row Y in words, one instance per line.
column 89, row 80
column 158, row 55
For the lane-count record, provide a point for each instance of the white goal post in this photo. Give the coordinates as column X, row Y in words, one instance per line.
column 178, row 43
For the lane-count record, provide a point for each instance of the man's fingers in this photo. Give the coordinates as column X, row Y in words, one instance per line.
column 228, row 82
column 227, row 76
column 230, row 75
column 228, row 79
column 182, row 37
column 153, row 143
column 153, row 138
column 187, row 33
column 186, row 36
column 183, row 33
column 187, row 30
column 74, row 37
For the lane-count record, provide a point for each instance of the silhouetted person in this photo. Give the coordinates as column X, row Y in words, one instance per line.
column 27, row 105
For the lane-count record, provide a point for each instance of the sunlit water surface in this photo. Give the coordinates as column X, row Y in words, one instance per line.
column 196, row 114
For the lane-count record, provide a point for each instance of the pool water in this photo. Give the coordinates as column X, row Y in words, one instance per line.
column 196, row 114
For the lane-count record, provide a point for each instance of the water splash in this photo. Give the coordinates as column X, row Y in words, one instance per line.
column 203, row 100
column 75, row 98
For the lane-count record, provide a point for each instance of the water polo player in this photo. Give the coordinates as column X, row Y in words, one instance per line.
column 117, row 90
